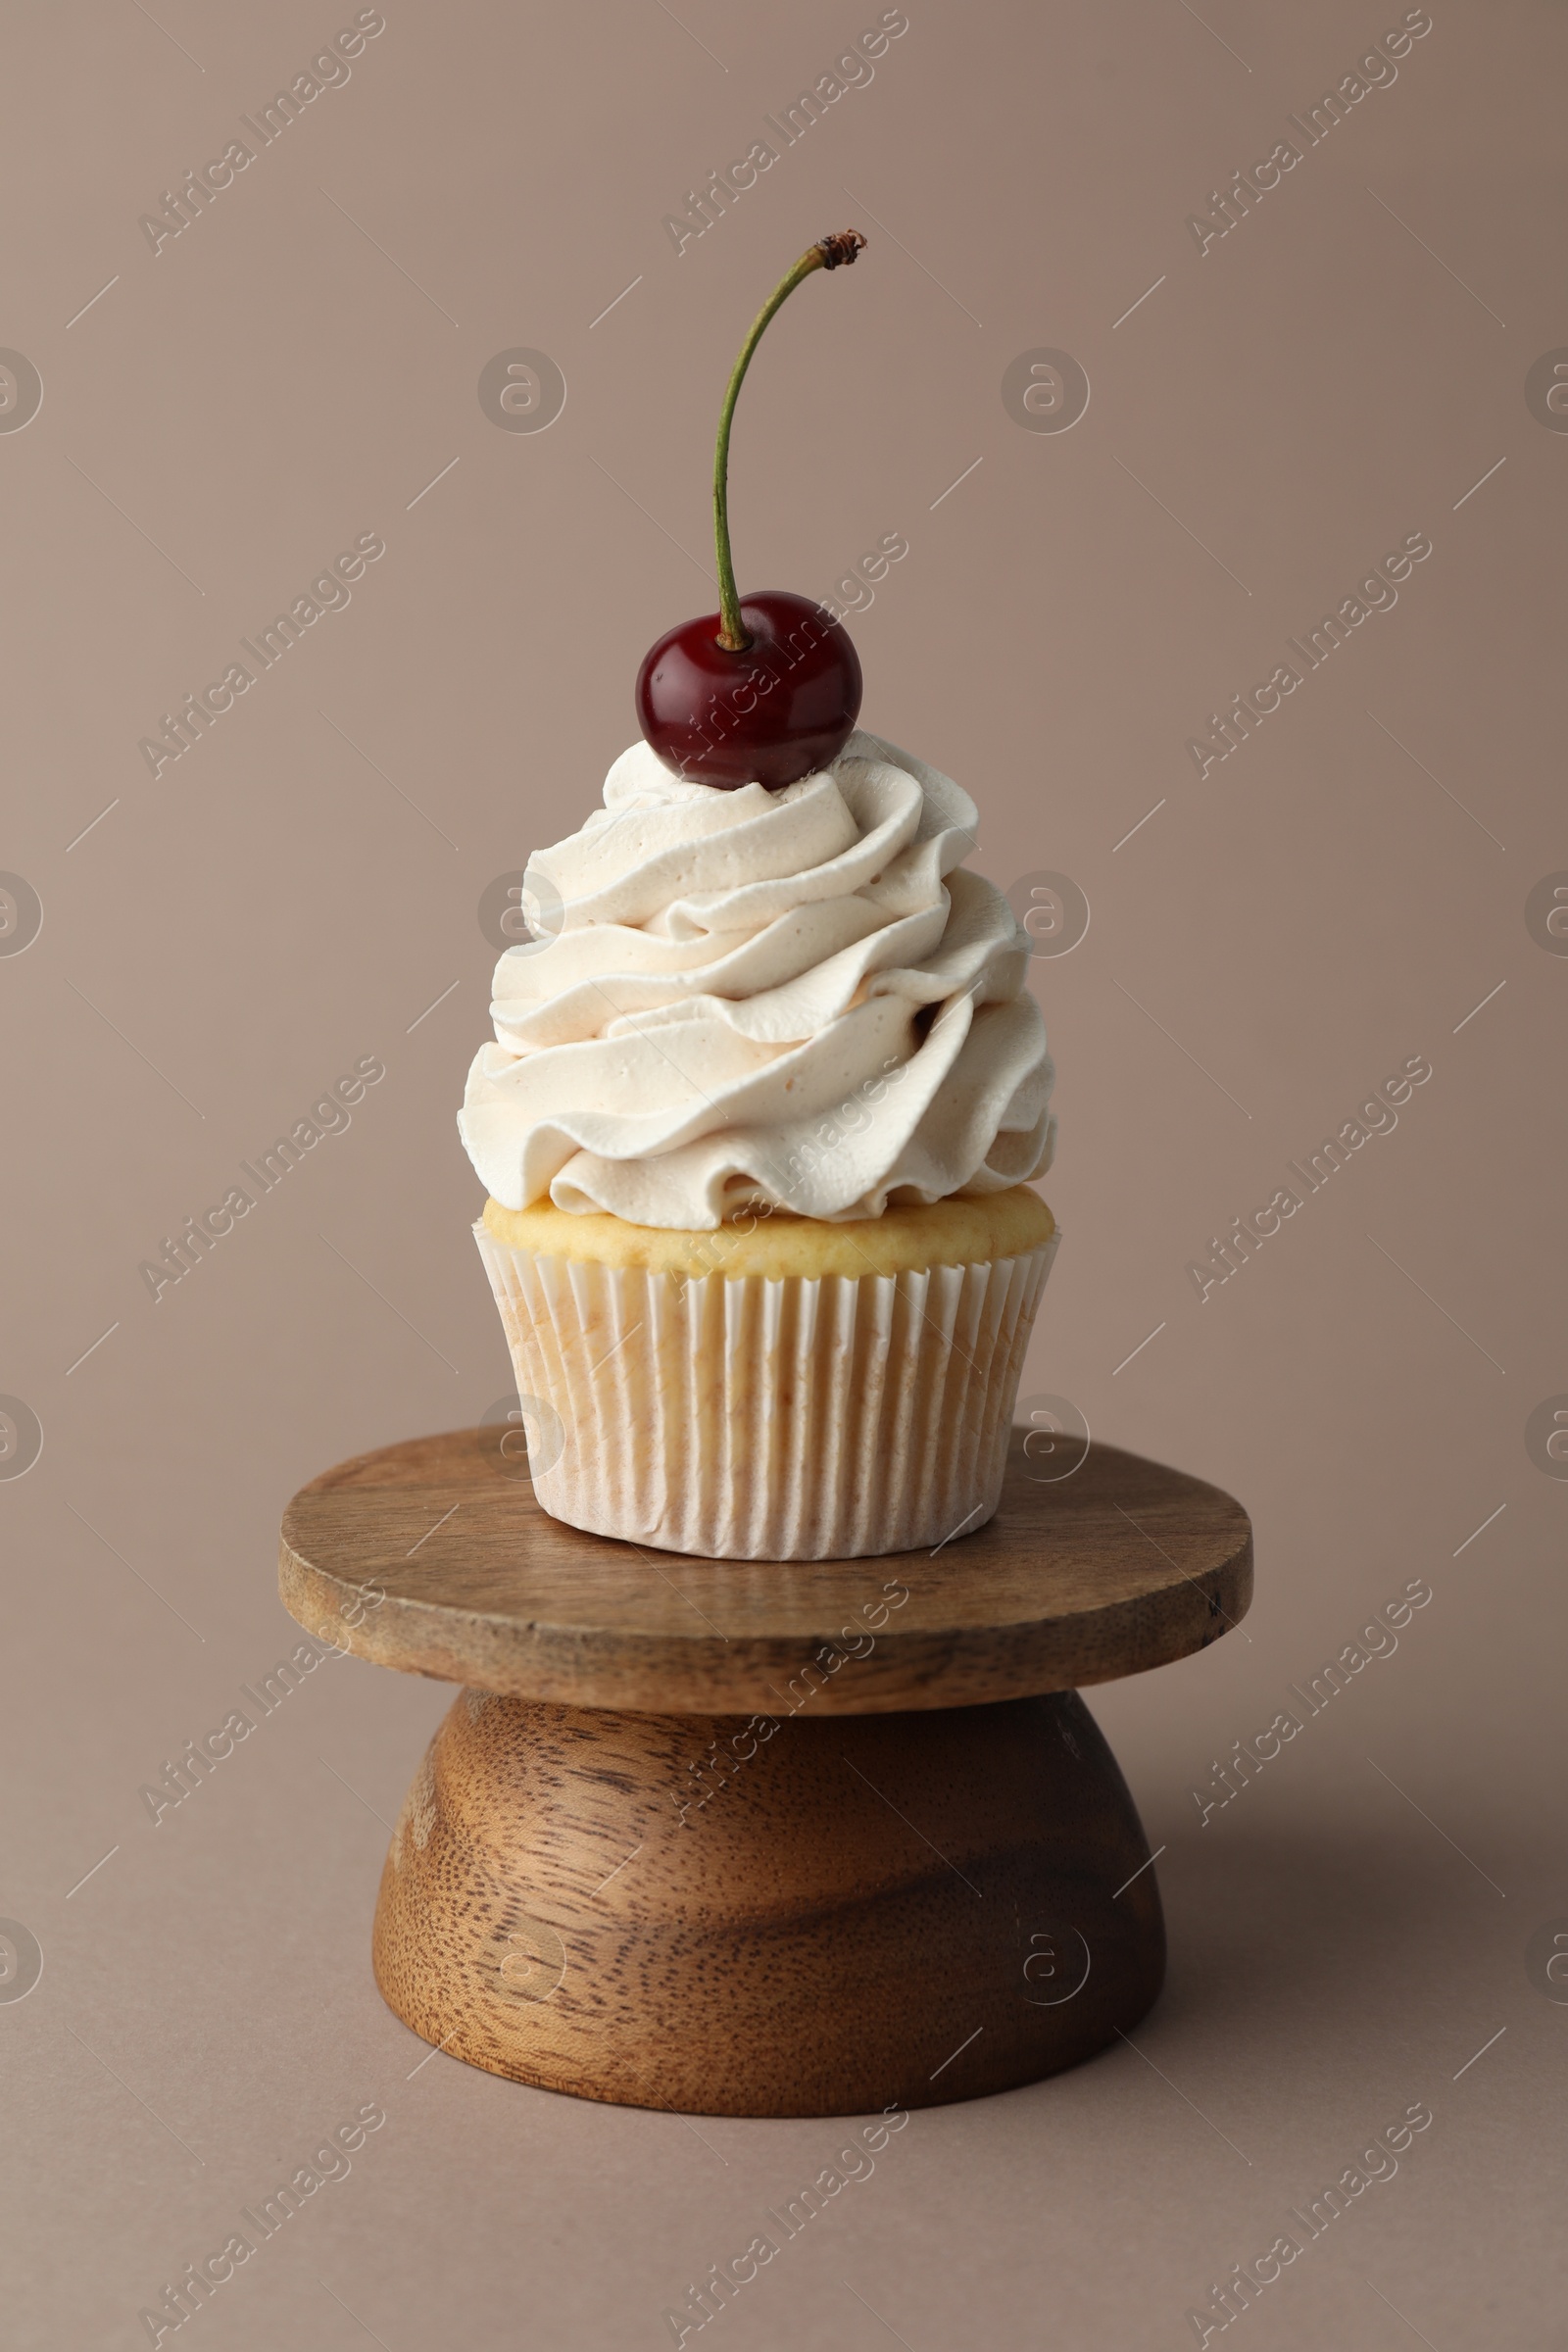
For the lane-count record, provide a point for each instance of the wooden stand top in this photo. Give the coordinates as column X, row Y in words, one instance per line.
column 433, row 1556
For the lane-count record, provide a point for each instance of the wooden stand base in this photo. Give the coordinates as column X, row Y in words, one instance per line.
column 704, row 1914
column 739, row 1838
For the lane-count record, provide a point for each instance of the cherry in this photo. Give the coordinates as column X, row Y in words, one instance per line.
column 767, row 689
column 780, row 710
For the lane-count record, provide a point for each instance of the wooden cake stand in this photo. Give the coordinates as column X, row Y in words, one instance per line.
column 740, row 1839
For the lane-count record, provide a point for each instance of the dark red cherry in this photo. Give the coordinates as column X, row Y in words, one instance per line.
column 779, row 710
column 766, row 690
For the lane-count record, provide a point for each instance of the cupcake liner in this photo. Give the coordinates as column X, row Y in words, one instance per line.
column 800, row 1419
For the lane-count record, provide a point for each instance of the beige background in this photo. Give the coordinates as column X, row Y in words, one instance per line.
column 296, row 890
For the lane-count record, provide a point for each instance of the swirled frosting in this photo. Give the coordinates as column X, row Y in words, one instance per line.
column 799, row 997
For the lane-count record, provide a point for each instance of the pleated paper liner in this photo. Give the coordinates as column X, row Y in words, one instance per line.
column 830, row 1418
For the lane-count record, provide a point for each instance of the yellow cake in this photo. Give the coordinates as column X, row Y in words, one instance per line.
column 947, row 1233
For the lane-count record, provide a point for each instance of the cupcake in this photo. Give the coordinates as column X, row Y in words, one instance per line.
column 760, row 1118
column 757, row 1128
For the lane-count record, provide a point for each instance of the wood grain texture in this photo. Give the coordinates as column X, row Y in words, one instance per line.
column 824, row 1918
column 433, row 1557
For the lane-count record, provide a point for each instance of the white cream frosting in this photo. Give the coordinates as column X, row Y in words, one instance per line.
column 797, row 997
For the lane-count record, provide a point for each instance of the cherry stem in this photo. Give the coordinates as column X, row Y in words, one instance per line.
column 828, row 254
